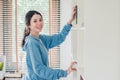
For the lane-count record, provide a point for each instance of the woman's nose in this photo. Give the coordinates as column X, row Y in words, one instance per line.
column 39, row 22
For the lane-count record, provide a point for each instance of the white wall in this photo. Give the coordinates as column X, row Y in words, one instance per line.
column 102, row 40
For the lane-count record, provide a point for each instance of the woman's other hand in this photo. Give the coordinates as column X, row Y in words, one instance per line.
column 71, row 68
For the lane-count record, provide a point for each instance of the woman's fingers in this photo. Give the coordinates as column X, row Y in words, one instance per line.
column 74, row 65
column 74, row 7
column 74, row 11
column 74, row 69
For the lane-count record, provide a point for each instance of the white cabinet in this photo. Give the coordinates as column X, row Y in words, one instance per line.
column 96, row 44
column 77, row 39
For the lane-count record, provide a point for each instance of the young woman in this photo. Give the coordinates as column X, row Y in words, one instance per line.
column 37, row 47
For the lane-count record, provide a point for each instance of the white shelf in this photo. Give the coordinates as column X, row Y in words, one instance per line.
column 78, row 28
column 13, row 75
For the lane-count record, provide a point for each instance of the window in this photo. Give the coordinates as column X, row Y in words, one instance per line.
column 6, row 31
column 55, row 28
column 12, row 13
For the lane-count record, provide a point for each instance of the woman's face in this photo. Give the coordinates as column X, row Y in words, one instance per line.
column 36, row 23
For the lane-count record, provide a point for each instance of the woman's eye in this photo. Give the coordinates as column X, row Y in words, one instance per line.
column 35, row 21
column 40, row 20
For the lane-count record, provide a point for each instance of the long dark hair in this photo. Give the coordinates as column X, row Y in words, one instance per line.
column 27, row 22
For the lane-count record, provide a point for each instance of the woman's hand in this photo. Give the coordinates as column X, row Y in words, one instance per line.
column 71, row 68
column 74, row 9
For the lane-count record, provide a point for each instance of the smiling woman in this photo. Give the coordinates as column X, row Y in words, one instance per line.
column 37, row 46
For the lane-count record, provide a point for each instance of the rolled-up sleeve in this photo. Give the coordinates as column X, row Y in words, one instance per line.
column 57, row 39
column 39, row 68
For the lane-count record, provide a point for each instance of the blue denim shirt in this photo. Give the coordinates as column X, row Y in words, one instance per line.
column 37, row 55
